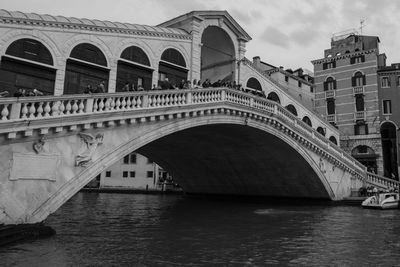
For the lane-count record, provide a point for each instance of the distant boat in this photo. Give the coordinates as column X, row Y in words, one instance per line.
column 382, row 201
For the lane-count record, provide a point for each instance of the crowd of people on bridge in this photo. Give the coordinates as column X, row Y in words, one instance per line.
column 162, row 85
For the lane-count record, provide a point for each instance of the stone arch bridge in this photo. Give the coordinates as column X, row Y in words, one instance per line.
column 214, row 141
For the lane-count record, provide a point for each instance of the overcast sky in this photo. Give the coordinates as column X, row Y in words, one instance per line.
column 287, row 33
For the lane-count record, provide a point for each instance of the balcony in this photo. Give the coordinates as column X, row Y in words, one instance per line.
column 330, row 94
column 331, row 118
column 359, row 115
column 358, row 90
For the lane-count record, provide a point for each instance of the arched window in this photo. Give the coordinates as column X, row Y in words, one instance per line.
column 173, row 56
column 172, row 67
column 330, row 84
column 273, row 97
column 133, row 70
column 333, row 140
column 31, row 50
column 27, row 64
column 307, row 121
column 135, row 54
column 321, row 130
column 292, row 109
column 86, row 68
column 253, row 83
column 89, row 53
column 358, row 79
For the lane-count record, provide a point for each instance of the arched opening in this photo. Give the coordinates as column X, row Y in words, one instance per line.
column 329, row 84
column 273, row 97
column 86, row 68
column 389, row 150
column 27, row 64
column 307, row 121
column 253, row 84
column 321, row 130
column 133, row 70
column 333, row 140
column 217, row 55
column 366, row 156
column 292, row 109
column 172, row 69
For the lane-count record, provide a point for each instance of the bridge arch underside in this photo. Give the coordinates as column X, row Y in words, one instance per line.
column 229, row 159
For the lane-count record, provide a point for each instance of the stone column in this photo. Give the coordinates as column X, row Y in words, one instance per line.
column 112, row 78
column 195, row 54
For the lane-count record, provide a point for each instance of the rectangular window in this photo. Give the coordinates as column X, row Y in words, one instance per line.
column 361, row 129
column 385, row 82
column 126, row 159
column 286, row 78
column 161, row 76
column 387, row 107
column 108, row 173
column 300, row 84
column 125, row 174
column 149, row 174
column 330, row 106
column 357, row 59
column 359, row 103
column 329, row 65
column 133, row 158
column 132, row 174
column 149, row 161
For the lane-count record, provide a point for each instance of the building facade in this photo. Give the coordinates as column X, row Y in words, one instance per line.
column 389, row 113
column 136, row 172
column 346, row 93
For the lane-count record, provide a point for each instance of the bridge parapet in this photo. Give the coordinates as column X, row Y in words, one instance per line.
column 59, row 108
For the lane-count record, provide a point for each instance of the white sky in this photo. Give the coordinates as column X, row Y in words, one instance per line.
column 287, row 33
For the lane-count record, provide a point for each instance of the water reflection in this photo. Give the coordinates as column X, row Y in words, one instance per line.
column 164, row 230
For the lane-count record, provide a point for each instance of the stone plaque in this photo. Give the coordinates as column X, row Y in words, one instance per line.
column 34, row 167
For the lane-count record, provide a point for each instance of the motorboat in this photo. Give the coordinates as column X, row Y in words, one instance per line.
column 388, row 200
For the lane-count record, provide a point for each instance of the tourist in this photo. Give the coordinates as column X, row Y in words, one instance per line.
column 20, row 93
column 101, row 88
column 126, row 87
column 88, row 89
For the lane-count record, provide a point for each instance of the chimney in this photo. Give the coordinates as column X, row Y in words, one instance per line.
column 257, row 62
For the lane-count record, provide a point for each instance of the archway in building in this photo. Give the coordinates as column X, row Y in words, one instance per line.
column 389, row 150
column 321, row 130
column 292, row 109
column 86, row 67
column 333, row 140
column 27, row 64
column 366, row 156
column 307, row 121
column 172, row 67
column 133, row 70
column 217, row 55
column 253, row 84
column 273, row 97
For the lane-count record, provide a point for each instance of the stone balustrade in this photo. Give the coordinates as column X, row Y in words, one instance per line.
column 380, row 181
column 45, row 107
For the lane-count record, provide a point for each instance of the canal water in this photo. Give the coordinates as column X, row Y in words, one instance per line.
column 168, row 230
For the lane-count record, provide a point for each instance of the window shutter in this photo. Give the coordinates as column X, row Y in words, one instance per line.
column 352, row 60
column 324, row 66
column 363, row 58
column 334, row 84
column 389, row 81
column 334, row 64
column 364, row 80
column 325, row 86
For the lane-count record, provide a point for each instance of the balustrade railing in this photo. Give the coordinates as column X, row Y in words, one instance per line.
column 358, row 90
column 378, row 180
column 359, row 115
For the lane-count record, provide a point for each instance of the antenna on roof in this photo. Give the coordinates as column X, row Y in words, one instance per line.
column 362, row 25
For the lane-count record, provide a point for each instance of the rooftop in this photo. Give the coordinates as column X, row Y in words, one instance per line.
column 17, row 15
